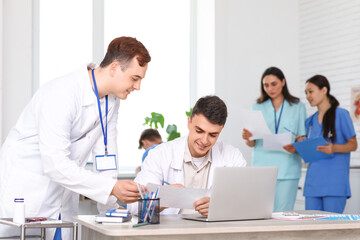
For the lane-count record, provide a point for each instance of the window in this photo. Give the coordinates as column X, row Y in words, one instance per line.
column 65, row 40
column 163, row 26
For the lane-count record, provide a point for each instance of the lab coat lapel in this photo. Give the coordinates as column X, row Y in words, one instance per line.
column 177, row 164
column 216, row 161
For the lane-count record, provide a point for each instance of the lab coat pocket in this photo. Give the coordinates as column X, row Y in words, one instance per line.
column 30, row 186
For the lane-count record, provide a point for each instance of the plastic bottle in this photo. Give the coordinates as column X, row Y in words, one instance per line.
column 19, row 211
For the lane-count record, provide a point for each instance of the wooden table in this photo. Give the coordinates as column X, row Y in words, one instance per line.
column 174, row 227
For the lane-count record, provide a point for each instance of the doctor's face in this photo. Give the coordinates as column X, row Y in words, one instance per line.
column 202, row 135
column 273, row 86
column 314, row 94
column 124, row 82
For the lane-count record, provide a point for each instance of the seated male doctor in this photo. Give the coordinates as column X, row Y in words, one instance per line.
column 190, row 161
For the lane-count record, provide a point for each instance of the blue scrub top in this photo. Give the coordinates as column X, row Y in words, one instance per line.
column 293, row 120
column 147, row 151
column 330, row 177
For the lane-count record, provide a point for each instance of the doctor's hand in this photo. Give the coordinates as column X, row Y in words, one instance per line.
column 299, row 138
column 289, row 148
column 246, row 134
column 202, row 206
column 126, row 191
column 327, row 149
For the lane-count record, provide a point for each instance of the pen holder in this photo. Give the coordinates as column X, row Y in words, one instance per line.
column 149, row 210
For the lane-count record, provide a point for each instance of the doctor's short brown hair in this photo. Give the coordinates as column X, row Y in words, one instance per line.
column 213, row 108
column 123, row 50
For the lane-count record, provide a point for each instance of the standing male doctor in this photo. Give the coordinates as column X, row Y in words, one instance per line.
column 190, row 161
column 43, row 157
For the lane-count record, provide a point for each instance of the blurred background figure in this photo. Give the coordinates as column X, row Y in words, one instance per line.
column 149, row 139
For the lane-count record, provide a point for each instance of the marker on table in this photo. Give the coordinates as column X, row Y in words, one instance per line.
column 140, row 224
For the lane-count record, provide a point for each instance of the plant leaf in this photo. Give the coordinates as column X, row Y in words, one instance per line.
column 188, row 114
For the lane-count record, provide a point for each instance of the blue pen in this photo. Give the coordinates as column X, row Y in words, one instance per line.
column 165, row 182
column 113, row 210
column 143, row 215
column 154, row 205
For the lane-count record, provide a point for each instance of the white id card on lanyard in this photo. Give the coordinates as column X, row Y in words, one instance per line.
column 103, row 162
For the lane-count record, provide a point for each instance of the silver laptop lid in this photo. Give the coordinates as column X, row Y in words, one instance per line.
column 242, row 193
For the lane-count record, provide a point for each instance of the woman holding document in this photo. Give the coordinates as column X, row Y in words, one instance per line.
column 327, row 180
column 282, row 113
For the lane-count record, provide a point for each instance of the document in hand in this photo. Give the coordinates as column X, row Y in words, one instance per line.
column 275, row 142
column 254, row 122
column 177, row 197
column 307, row 149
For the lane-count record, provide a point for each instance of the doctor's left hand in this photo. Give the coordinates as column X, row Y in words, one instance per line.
column 328, row 149
column 126, row 191
column 202, row 206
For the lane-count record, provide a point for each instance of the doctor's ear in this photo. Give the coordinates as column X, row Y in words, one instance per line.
column 113, row 67
column 189, row 121
column 324, row 90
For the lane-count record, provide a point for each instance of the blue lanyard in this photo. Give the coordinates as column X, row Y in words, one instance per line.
column 277, row 124
column 106, row 112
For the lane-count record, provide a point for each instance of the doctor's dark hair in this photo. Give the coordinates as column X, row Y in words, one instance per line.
column 280, row 75
column 213, row 108
column 329, row 117
column 149, row 134
column 123, row 50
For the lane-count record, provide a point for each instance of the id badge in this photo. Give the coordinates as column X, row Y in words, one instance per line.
column 103, row 162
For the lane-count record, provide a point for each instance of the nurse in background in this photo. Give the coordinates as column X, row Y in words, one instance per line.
column 327, row 180
column 283, row 113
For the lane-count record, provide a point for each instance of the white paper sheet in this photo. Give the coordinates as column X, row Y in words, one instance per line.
column 275, row 142
column 254, row 122
column 177, row 197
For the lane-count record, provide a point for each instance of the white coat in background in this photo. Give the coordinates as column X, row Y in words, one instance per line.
column 165, row 163
column 44, row 155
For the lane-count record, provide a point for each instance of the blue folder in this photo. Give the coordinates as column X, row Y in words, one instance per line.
column 307, row 149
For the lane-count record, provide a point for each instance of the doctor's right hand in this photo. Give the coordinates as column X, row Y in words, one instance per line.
column 246, row 134
column 126, row 191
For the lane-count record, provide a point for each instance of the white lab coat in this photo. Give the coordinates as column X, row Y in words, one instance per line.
column 165, row 162
column 43, row 157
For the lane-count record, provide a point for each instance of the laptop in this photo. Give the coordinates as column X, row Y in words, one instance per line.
column 240, row 193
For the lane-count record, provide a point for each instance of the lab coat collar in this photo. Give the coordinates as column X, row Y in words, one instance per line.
column 89, row 96
column 178, row 160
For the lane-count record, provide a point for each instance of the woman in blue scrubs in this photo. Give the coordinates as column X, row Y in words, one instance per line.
column 283, row 113
column 327, row 180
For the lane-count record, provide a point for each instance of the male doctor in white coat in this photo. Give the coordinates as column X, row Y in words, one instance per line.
column 43, row 157
column 190, row 161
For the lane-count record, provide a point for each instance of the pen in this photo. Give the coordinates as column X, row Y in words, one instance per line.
column 290, row 131
column 113, row 210
column 142, row 196
column 140, row 224
column 165, row 182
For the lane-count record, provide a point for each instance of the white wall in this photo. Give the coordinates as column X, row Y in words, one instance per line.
column 1, row 64
column 329, row 45
column 17, row 60
column 251, row 35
